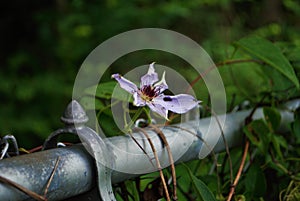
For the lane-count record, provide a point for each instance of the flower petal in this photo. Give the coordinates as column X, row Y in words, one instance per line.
column 125, row 84
column 162, row 84
column 150, row 78
column 137, row 100
column 159, row 109
column 180, row 103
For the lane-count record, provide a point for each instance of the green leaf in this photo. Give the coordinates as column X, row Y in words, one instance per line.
column 294, row 54
column 270, row 54
column 255, row 181
column 259, row 134
column 132, row 190
column 240, row 198
column 202, row 190
column 247, row 79
column 278, row 142
column 108, row 90
column 108, row 125
column 90, row 103
column 279, row 85
column 272, row 117
column 295, row 126
column 103, row 90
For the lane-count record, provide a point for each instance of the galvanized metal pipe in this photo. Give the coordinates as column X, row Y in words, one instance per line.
column 75, row 173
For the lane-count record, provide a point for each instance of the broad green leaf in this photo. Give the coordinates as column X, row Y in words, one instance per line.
column 108, row 126
column 270, row 54
column 259, row 134
column 90, row 103
column 278, row 142
column 255, row 181
column 294, row 54
column 202, row 190
column 108, row 90
column 103, row 90
column 296, row 130
column 279, row 84
column 272, row 117
column 130, row 185
column 246, row 79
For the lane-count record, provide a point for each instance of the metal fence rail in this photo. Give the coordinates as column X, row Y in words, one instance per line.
column 76, row 172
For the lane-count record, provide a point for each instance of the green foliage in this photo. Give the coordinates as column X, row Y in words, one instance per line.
column 108, row 90
column 255, row 182
column 272, row 117
column 270, row 54
column 295, row 127
column 259, row 61
column 258, row 133
column 275, row 155
column 201, row 189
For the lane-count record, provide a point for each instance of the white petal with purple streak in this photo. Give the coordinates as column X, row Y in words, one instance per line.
column 125, row 84
column 162, row 84
column 150, row 78
column 162, row 111
column 179, row 104
column 137, row 100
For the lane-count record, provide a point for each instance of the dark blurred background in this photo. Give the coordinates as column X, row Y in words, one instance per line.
column 43, row 44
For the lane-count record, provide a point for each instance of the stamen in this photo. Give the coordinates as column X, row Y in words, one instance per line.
column 149, row 92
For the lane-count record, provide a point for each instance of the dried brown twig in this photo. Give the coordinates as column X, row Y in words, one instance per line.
column 161, row 135
column 29, row 192
column 245, row 153
column 22, row 189
column 239, row 173
column 139, row 145
column 158, row 163
column 51, row 177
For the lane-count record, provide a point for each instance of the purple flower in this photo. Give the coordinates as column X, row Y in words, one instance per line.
column 151, row 94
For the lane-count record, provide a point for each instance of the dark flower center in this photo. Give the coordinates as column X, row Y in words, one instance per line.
column 149, row 92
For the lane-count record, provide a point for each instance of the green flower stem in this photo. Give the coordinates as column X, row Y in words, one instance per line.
column 100, row 112
column 147, row 111
column 134, row 118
